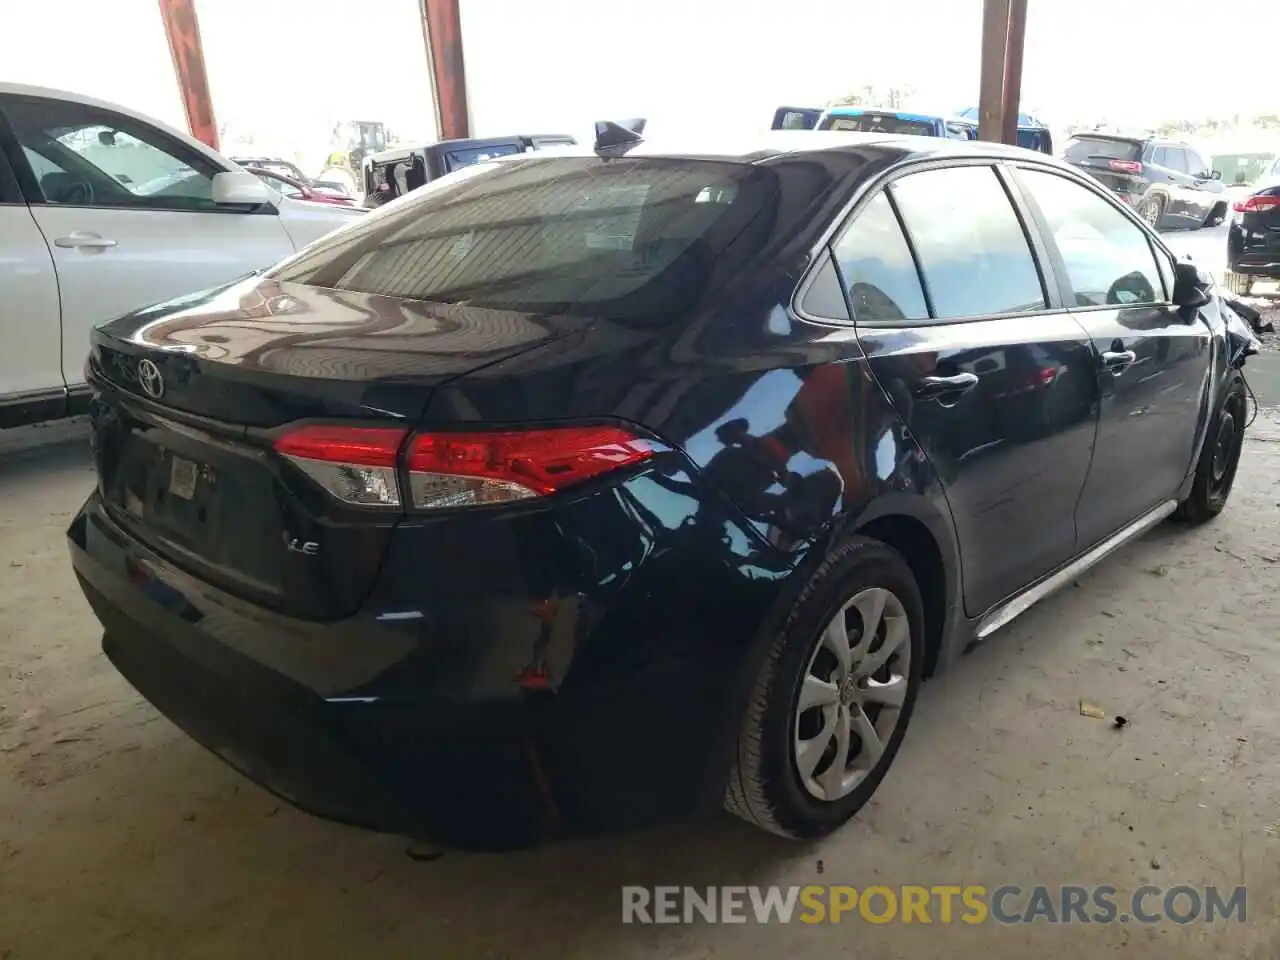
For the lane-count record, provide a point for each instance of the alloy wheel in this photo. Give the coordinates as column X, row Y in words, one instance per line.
column 1150, row 212
column 851, row 697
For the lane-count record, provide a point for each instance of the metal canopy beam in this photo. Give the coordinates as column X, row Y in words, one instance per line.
column 183, row 32
column 1013, row 69
column 443, row 25
column 1004, row 28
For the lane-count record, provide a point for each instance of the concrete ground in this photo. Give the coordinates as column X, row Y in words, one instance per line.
column 121, row 838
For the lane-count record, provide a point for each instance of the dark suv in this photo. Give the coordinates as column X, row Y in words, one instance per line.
column 1167, row 182
column 596, row 489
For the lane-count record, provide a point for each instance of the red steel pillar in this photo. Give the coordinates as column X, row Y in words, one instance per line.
column 183, row 30
column 1016, row 41
column 448, row 74
column 995, row 45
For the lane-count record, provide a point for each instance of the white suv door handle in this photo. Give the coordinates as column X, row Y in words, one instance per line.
column 85, row 240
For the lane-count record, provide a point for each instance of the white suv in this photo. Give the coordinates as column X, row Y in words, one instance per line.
column 103, row 211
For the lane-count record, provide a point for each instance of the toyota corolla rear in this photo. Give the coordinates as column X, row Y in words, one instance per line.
column 394, row 607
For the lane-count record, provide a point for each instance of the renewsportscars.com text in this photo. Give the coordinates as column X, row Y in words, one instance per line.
column 944, row 904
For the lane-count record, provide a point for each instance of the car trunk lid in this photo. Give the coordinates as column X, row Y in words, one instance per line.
column 193, row 394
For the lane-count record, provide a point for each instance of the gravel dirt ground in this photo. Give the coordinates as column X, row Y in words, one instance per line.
column 121, row 838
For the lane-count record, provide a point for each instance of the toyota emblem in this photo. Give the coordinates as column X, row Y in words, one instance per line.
column 150, row 380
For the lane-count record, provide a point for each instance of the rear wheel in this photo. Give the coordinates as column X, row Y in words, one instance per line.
column 1216, row 215
column 1239, row 283
column 1152, row 211
column 834, row 696
column 1219, row 458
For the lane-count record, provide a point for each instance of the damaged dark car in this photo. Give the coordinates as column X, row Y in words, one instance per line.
column 586, row 492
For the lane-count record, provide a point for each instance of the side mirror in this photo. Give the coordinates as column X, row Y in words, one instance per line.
column 1191, row 285
column 240, row 188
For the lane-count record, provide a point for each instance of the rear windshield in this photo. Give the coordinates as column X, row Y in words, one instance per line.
column 1084, row 148
column 621, row 238
column 880, row 123
column 456, row 159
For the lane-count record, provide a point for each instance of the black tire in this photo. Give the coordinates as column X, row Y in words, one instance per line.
column 765, row 787
column 1152, row 211
column 1216, row 215
column 1219, row 458
column 1238, row 283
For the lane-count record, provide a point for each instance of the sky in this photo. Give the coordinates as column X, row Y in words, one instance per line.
column 279, row 67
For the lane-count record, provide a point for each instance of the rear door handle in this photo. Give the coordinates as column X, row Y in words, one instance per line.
column 945, row 388
column 1118, row 361
column 84, row 240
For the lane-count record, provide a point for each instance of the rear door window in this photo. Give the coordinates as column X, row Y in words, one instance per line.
column 877, row 269
column 890, row 123
column 1108, row 258
column 973, row 250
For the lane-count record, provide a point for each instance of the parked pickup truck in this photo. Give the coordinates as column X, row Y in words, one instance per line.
column 104, row 211
column 393, row 173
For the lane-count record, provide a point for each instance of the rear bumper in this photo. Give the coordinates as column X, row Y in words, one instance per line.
column 359, row 761
column 1248, row 254
column 423, row 726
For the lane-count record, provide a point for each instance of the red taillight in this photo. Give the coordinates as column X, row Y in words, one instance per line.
column 1125, row 166
column 358, row 464
column 355, row 464
column 368, row 446
column 1259, row 204
column 461, row 469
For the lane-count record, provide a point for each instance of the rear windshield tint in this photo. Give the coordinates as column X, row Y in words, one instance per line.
column 621, row 238
column 879, row 123
column 1083, row 148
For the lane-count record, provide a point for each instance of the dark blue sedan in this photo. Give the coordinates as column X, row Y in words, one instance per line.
column 584, row 492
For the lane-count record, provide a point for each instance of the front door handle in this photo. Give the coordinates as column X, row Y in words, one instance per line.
column 84, row 240
column 945, row 388
column 1118, row 361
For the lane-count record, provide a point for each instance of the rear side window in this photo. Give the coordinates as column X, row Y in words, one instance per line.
column 793, row 120
column 1108, row 258
column 876, row 266
column 880, row 123
column 973, row 251
column 456, row 159
column 1103, row 148
column 620, row 238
